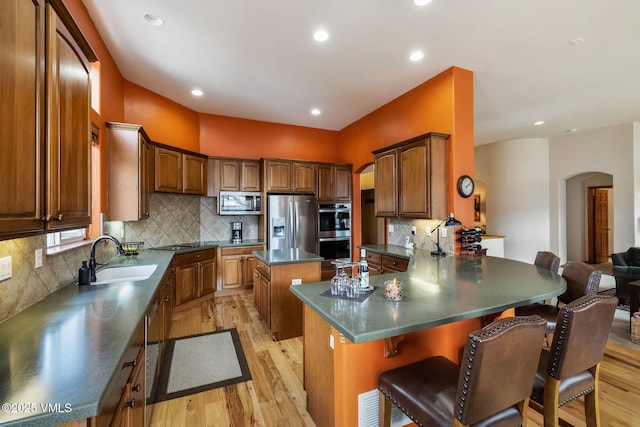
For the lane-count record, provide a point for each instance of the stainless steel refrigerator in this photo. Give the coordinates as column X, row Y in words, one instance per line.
column 292, row 222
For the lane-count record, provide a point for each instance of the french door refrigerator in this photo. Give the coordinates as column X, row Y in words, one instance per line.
column 292, row 222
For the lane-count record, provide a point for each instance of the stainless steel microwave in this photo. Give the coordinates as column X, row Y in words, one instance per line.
column 239, row 203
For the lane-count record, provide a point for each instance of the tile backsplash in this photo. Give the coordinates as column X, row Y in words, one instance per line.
column 402, row 229
column 174, row 218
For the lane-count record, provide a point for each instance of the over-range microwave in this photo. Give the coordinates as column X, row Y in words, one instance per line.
column 239, row 203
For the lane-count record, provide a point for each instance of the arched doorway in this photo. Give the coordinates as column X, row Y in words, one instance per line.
column 589, row 217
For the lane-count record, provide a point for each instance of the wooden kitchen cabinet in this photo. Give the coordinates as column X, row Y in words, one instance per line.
column 233, row 175
column 129, row 172
column 179, row 172
column 411, row 178
column 289, row 176
column 384, row 264
column 236, row 267
column 45, row 165
column 280, row 309
column 334, row 182
column 195, row 276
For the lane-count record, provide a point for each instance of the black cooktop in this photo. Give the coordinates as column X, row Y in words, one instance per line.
column 183, row 246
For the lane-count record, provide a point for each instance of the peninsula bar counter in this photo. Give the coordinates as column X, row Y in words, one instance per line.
column 347, row 344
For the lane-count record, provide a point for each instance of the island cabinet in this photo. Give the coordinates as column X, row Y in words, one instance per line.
column 289, row 176
column 180, row 172
column 384, row 264
column 129, row 172
column 334, row 182
column 236, row 267
column 411, row 178
column 233, row 175
column 280, row 310
column 45, row 125
column 195, row 276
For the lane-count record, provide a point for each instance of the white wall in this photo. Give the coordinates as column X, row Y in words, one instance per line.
column 611, row 150
column 516, row 174
column 526, row 184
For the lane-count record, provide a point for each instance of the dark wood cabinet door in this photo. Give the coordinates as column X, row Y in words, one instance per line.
column 386, row 184
column 168, row 170
column 304, row 177
column 231, row 266
column 250, row 176
column 194, row 175
column 342, row 183
column 412, row 189
column 277, row 175
column 186, row 283
column 68, row 134
column 21, row 113
column 326, row 184
column 207, row 282
column 229, row 175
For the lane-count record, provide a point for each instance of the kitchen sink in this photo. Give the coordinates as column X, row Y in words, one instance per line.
column 128, row 273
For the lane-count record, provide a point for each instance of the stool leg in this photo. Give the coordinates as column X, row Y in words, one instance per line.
column 384, row 411
column 591, row 404
column 550, row 399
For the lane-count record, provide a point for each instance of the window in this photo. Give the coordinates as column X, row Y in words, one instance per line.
column 58, row 240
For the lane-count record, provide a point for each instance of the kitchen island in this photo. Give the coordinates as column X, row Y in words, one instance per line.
column 275, row 271
column 347, row 344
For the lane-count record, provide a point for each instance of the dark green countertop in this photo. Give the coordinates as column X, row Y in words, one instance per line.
column 286, row 256
column 67, row 348
column 437, row 290
column 182, row 248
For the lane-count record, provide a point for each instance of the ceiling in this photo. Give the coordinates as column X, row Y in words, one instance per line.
column 257, row 59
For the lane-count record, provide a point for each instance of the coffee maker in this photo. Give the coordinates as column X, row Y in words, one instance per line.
column 236, row 232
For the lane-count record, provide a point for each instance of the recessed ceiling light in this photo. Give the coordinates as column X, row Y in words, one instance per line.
column 321, row 35
column 538, row 123
column 421, row 2
column 153, row 20
column 197, row 92
column 571, row 130
column 577, row 41
column 316, row 111
column 416, row 55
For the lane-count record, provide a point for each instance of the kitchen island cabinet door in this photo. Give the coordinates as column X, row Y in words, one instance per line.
column 22, row 109
column 68, row 128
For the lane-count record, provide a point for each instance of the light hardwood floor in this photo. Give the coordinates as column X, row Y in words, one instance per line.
column 275, row 396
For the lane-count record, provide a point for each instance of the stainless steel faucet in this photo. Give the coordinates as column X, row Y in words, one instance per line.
column 92, row 258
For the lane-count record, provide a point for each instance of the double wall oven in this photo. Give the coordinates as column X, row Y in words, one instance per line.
column 334, row 232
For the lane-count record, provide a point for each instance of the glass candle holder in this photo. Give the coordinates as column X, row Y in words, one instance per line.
column 393, row 290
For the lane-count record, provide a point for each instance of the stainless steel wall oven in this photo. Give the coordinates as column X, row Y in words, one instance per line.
column 334, row 232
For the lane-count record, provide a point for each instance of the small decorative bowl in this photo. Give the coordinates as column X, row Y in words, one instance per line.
column 131, row 248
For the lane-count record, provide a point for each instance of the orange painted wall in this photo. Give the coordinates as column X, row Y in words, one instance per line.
column 252, row 139
column 442, row 104
column 164, row 120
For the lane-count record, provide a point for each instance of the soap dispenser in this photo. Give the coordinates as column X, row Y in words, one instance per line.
column 84, row 274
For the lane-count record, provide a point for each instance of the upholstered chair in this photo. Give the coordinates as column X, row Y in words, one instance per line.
column 582, row 279
column 491, row 386
column 548, row 260
column 569, row 368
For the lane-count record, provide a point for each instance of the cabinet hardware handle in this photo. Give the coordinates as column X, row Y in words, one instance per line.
column 136, row 388
column 133, row 363
column 60, row 217
column 130, row 404
column 166, row 299
column 45, row 218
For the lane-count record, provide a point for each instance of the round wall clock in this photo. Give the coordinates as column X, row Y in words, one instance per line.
column 466, row 186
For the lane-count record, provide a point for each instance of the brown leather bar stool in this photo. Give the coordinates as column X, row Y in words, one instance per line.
column 490, row 387
column 582, row 279
column 548, row 260
column 570, row 368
